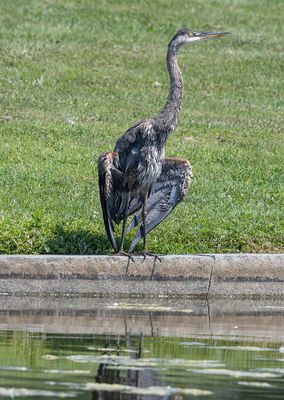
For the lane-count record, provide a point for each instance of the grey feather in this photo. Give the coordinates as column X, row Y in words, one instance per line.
column 165, row 194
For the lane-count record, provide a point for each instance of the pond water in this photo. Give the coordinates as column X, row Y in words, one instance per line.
column 116, row 350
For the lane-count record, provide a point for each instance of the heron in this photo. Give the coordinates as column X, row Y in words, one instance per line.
column 136, row 179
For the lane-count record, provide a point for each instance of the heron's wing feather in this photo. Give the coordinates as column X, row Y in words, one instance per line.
column 165, row 194
column 109, row 178
column 136, row 202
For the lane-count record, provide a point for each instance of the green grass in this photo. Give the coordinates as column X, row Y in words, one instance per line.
column 75, row 75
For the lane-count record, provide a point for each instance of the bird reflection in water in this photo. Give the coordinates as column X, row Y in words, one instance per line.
column 142, row 377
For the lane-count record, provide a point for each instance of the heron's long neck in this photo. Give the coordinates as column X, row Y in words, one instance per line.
column 169, row 115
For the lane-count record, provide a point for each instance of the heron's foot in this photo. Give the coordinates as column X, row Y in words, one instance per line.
column 146, row 253
column 125, row 254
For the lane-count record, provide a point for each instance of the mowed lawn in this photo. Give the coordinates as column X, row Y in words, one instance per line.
column 74, row 75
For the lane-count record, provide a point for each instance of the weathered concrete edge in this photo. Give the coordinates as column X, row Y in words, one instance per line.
column 200, row 276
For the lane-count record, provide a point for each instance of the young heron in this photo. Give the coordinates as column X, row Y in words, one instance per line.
column 136, row 179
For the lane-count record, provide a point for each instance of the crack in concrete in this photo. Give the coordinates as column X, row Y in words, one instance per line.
column 210, row 279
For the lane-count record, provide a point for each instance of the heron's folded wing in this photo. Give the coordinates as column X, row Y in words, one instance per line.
column 166, row 193
column 109, row 178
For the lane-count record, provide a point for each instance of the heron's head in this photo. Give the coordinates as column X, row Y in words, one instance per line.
column 186, row 35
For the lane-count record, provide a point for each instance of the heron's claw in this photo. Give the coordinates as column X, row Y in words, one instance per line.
column 125, row 254
column 146, row 253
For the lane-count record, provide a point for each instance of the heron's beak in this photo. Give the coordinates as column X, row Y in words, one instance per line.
column 208, row 35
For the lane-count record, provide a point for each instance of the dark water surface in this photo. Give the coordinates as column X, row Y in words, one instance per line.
column 87, row 349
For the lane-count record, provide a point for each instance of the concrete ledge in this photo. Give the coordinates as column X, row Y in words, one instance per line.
column 248, row 275
column 186, row 276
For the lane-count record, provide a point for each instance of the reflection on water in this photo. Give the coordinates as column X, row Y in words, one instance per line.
column 177, row 355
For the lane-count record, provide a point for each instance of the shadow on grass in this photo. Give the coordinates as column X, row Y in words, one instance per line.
column 78, row 242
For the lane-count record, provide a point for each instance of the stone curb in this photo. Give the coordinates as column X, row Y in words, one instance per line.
column 176, row 276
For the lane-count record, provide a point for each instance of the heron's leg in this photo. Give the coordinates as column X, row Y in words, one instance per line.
column 144, row 222
column 125, row 216
column 121, row 252
column 145, row 252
